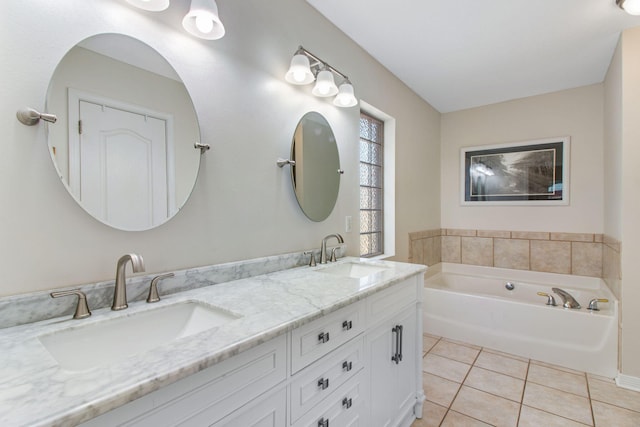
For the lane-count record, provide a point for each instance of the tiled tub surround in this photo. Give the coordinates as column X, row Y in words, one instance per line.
column 35, row 391
column 471, row 304
column 580, row 254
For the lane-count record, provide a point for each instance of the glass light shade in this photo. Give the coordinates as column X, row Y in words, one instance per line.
column 150, row 5
column 299, row 71
column 202, row 20
column 345, row 97
column 325, row 86
column 632, row 7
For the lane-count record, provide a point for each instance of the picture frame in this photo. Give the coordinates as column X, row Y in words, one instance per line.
column 532, row 172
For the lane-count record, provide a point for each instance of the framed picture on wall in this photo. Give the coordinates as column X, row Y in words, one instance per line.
column 520, row 173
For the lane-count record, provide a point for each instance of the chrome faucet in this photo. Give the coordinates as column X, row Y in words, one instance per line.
column 567, row 300
column 120, row 291
column 323, row 247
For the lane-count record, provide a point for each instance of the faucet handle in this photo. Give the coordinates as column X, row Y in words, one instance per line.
column 312, row 260
column 550, row 299
column 153, row 288
column 333, row 254
column 593, row 304
column 82, row 308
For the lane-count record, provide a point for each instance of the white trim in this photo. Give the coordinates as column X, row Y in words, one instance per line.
column 628, row 382
column 389, row 178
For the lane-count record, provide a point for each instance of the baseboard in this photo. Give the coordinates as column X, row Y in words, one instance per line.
column 627, row 381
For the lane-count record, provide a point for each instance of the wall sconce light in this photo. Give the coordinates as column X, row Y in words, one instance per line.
column 632, row 7
column 202, row 20
column 306, row 67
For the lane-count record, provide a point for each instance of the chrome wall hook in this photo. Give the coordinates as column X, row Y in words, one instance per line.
column 202, row 147
column 30, row 117
column 282, row 162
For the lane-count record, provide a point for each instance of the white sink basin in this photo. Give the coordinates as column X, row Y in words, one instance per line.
column 106, row 342
column 356, row 270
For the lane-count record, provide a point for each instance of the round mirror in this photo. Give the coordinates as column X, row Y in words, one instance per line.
column 316, row 173
column 124, row 141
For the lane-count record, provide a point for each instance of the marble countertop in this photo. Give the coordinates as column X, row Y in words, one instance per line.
column 36, row 391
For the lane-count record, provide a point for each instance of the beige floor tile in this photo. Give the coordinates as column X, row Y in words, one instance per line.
column 439, row 390
column 455, row 351
column 570, row 382
column 558, row 367
column 502, row 364
column 600, row 378
column 446, row 368
column 486, row 407
column 609, row 416
column 428, row 342
column 432, row 415
column 455, row 419
column 558, row 402
column 466, row 344
column 492, row 382
column 502, row 353
column 531, row 417
column 609, row 392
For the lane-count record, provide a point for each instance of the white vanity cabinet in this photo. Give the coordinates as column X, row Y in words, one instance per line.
column 357, row 366
column 393, row 343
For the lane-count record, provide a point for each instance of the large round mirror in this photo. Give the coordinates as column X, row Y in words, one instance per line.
column 123, row 144
column 316, row 172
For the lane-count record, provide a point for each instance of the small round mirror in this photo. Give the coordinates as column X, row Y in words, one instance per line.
column 124, row 142
column 316, row 173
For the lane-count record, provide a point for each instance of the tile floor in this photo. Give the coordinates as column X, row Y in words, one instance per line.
column 469, row 386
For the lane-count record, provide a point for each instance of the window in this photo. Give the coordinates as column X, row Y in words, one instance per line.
column 371, row 186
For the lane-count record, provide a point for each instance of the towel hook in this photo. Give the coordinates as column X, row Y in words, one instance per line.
column 282, row 162
column 29, row 117
column 202, row 147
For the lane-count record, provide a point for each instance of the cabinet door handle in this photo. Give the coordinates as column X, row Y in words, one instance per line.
column 323, row 423
column 347, row 403
column 396, row 354
column 400, row 346
column 323, row 337
column 346, row 366
column 347, row 325
column 323, row 383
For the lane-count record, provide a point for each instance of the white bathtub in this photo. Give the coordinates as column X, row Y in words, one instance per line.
column 471, row 304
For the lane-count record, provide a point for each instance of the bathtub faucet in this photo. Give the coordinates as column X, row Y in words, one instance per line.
column 567, row 300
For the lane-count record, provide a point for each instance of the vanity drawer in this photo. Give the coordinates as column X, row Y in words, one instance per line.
column 385, row 304
column 316, row 382
column 344, row 408
column 315, row 339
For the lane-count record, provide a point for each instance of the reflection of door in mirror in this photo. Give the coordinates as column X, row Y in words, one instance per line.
column 119, row 158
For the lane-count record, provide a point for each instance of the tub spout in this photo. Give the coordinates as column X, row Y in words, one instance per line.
column 567, row 300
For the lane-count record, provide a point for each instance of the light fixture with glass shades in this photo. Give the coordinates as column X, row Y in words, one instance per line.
column 632, row 7
column 202, row 20
column 306, row 67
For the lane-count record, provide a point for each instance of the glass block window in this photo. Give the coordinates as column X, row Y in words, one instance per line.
column 371, row 191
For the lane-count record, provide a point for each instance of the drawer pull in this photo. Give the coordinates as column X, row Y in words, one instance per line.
column 323, row 383
column 323, row 337
column 347, row 403
column 323, row 423
column 347, row 325
column 347, row 366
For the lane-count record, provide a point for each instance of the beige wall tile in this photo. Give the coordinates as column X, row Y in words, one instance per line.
column 477, row 251
column 598, row 238
column 610, row 241
column 572, row 237
column 586, row 259
column 511, row 253
column 460, row 232
column 451, row 249
column 432, row 250
column 494, row 233
column 417, row 255
column 611, row 269
column 531, row 235
column 551, row 257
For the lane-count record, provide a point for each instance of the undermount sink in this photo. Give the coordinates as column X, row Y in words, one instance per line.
column 356, row 270
column 108, row 341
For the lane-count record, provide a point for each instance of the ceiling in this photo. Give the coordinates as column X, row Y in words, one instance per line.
column 467, row 53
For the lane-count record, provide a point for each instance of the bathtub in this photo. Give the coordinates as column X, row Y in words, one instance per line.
column 471, row 304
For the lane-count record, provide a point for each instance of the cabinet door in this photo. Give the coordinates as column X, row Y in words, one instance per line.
column 266, row 412
column 393, row 369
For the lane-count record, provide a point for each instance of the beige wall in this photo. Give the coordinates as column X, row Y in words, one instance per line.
column 242, row 205
column 576, row 113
